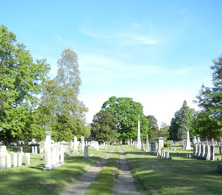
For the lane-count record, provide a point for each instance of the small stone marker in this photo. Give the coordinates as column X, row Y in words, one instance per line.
column 9, row 164
column 19, row 159
column 2, row 162
column 15, row 160
column 27, row 158
column 86, row 155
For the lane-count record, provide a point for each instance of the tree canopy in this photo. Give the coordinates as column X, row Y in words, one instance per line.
column 64, row 112
column 127, row 112
column 104, row 126
column 21, row 80
column 210, row 100
column 181, row 122
column 153, row 127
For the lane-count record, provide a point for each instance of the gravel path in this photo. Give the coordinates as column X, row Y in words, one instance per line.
column 84, row 181
column 125, row 181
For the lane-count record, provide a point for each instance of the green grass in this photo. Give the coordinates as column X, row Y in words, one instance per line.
column 33, row 180
column 182, row 175
column 105, row 180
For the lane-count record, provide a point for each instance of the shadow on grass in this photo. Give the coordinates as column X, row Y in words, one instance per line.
column 178, row 176
column 33, row 180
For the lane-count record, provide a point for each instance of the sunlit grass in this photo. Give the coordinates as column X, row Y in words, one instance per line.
column 33, row 180
column 182, row 175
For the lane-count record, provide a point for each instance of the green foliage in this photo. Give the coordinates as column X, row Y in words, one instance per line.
column 104, row 126
column 210, row 100
column 87, row 131
column 60, row 111
column 206, row 126
column 153, row 127
column 181, row 122
column 127, row 112
column 164, row 131
column 166, row 144
column 20, row 82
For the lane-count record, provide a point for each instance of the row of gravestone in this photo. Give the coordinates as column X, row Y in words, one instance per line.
column 164, row 154
column 6, row 160
column 203, row 151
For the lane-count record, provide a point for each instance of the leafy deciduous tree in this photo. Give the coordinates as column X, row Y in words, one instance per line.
column 20, row 82
column 104, row 126
column 127, row 112
column 153, row 127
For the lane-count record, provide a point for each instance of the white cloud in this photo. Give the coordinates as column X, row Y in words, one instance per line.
column 124, row 38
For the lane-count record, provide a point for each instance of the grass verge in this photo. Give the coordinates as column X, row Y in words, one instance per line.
column 105, row 180
column 182, row 175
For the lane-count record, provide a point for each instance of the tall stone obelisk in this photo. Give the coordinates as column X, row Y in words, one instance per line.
column 138, row 137
column 188, row 141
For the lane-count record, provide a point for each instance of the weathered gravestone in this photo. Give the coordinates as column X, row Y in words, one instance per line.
column 153, row 146
column 161, row 144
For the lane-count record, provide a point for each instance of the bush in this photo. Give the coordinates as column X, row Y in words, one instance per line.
column 166, row 144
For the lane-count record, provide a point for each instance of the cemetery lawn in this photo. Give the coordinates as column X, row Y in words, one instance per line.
column 33, row 180
column 182, row 175
column 105, row 180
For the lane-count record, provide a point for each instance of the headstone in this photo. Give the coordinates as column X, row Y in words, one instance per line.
column 161, row 144
column 194, row 140
column 208, row 152
column 212, row 152
column 86, row 152
column 9, row 162
column 19, row 159
column 199, row 149
column 48, row 153
column 153, row 146
column 33, row 149
column 167, row 154
column 203, row 150
column 82, row 144
column 36, row 149
column 75, row 150
column 162, row 153
column 188, row 141
column 61, row 154
column 27, row 158
column 3, row 150
column 2, row 162
column 15, row 160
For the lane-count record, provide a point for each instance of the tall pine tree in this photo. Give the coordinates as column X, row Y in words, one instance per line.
column 183, row 121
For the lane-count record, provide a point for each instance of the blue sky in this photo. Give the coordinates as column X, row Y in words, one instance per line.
column 156, row 52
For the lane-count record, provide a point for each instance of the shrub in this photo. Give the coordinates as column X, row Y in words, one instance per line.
column 166, row 144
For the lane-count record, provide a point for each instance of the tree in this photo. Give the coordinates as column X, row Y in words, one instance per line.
column 128, row 113
column 206, row 126
column 104, row 126
column 164, row 131
column 153, row 127
column 210, row 99
column 181, row 122
column 20, row 82
column 63, row 113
